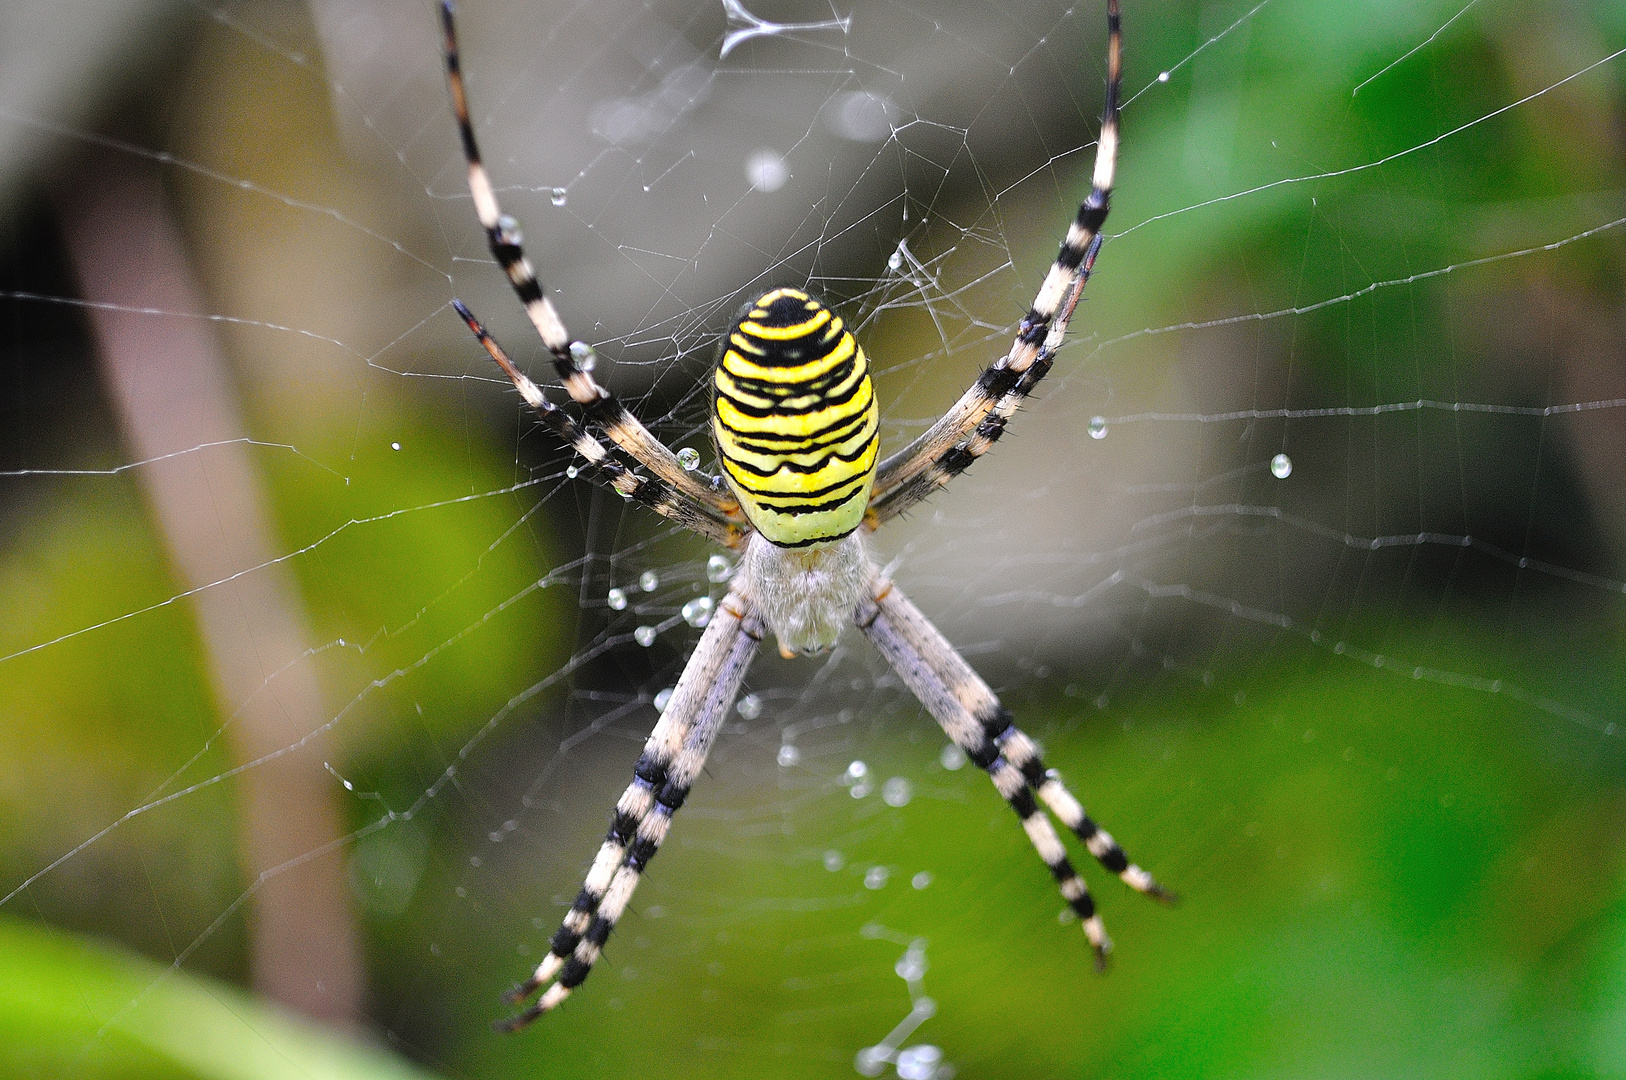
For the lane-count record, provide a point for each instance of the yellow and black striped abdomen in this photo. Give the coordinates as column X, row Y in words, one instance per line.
column 794, row 415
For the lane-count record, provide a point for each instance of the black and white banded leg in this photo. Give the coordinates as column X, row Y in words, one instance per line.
column 974, row 423
column 673, row 757
column 652, row 492
column 572, row 359
column 999, row 728
column 916, row 651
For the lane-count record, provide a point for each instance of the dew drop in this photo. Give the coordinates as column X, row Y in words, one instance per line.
column 508, row 230
column 856, row 771
column 875, row 877
column 572, row 472
column 689, row 458
column 663, row 699
column 834, row 860
column 911, row 965
column 921, row 880
column 644, row 635
column 583, row 354
column 1163, row 76
column 894, row 261
column 557, row 196
column 617, row 599
column 649, row 581
column 897, row 792
column 395, row 446
column 1098, row 427
column 871, row 1061
column 697, row 612
column 766, row 170
column 718, row 569
column 788, row 756
column 952, row 758
column 919, row 1062
column 861, row 789
column 1281, row 466
column 749, row 707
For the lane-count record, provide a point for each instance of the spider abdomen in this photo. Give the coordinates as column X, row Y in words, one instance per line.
column 795, row 419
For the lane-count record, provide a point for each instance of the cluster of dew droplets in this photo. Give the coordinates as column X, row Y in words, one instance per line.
column 922, row 1061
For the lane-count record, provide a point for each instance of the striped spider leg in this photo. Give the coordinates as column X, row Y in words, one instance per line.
column 572, row 359
column 673, row 757
column 973, row 718
column 974, row 423
column 654, row 493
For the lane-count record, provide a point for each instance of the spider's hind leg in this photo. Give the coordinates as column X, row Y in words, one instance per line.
column 972, row 716
column 672, row 759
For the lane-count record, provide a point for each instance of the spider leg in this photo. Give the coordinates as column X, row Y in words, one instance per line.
column 656, row 494
column 572, row 359
column 877, row 619
column 999, row 729
column 974, row 423
column 673, row 757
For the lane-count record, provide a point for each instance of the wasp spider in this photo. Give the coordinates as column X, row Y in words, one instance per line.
column 794, row 418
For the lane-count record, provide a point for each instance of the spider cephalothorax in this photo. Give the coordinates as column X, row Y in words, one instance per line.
column 795, row 423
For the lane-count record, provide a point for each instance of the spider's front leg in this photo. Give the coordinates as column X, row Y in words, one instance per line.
column 673, row 756
column 971, row 715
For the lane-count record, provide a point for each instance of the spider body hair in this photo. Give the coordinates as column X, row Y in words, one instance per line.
column 806, row 595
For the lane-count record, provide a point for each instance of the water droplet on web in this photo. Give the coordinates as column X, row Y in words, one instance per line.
column 649, row 581
column 897, row 792
column 644, row 635
column 1281, row 466
column 395, row 446
column 894, row 261
column 911, row 965
column 718, row 568
column 834, row 860
column 572, row 472
column 870, row 1061
column 1163, row 76
column 663, row 699
column 557, row 196
column 875, row 877
column 766, row 170
column 509, row 231
column 749, row 707
column 788, row 756
column 689, row 458
column 919, row 1062
column 697, row 612
column 860, row 789
column 1098, row 427
column 952, row 758
column 856, row 771
column 583, row 354
column 922, row 879
column 617, row 599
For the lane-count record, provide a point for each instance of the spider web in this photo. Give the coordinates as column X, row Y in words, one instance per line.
column 1303, row 563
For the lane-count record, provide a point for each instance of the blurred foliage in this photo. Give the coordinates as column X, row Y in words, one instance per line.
column 1383, row 875
column 68, row 1008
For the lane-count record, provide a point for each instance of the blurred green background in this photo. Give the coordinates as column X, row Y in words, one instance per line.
column 1365, row 719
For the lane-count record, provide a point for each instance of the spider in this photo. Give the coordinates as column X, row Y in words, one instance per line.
column 795, row 423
